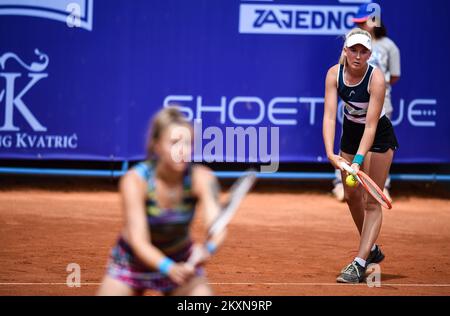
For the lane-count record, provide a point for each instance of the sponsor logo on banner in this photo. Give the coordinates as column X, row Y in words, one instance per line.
column 254, row 136
column 274, row 17
column 74, row 13
column 285, row 110
column 14, row 86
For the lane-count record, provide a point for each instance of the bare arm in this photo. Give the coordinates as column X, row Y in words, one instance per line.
column 329, row 116
column 207, row 189
column 133, row 190
column 377, row 93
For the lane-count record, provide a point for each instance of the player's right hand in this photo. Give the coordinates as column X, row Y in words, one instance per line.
column 181, row 272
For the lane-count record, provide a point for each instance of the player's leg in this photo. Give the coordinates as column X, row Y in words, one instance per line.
column 114, row 287
column 375, row 254
column 380, row 164
column 197, row 286
column 371, row 219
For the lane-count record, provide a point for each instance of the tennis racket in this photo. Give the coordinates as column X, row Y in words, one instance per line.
column 369, row 185
column 238, row 191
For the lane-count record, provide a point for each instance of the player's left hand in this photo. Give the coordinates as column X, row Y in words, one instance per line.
column 355, row 167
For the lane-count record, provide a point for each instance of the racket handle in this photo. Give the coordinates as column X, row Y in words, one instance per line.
column 195, row 257
column 347, row 168
column 198, row 252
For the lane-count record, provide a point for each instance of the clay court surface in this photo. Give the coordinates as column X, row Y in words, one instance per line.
column 290, row 241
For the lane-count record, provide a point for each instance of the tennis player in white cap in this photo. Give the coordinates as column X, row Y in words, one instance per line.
column 368, row 141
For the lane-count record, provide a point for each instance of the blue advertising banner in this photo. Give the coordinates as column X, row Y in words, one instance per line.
column 79, row 79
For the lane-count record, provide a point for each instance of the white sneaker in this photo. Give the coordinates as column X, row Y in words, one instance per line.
column 338, row 192
column 386, row 193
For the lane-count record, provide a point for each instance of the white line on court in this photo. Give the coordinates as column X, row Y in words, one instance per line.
column 335, row 284
column 255, row 283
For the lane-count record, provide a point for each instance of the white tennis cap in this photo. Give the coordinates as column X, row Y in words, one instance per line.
column 359, row 39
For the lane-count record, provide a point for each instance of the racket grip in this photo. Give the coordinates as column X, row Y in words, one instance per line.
column 347, row 168
column 198, row 253
column 194, row 258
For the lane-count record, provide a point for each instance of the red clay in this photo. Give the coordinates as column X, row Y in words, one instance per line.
column 278, row 244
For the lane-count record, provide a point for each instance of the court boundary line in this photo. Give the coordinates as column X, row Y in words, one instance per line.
column 255, row 283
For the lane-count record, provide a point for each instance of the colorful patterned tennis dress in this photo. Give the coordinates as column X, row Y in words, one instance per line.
column 169, row 229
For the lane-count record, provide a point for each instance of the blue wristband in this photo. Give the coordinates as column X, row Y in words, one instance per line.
column 211, row 247
column 359, row 159
column 165, row 265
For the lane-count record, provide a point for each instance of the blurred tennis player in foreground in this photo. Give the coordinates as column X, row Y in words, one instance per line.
column 368, row 141
column 159, row 199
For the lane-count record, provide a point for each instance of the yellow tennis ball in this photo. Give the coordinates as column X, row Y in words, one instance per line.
column 351, row 181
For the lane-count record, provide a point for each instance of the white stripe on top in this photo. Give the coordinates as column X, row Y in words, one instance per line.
column 361, row 120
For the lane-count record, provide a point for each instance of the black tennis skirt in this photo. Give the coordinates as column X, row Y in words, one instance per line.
column 384, row 137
